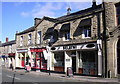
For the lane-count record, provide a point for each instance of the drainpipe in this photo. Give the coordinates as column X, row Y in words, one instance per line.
column 104, row 41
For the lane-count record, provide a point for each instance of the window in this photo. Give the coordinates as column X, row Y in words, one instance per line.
column 67, row 35
column 39, row 37
column 29, row 39
column 118, row 13
column 52, row 39
column 21, row 41
column 86, row 33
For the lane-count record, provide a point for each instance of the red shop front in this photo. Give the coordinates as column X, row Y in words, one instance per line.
column 39, row 60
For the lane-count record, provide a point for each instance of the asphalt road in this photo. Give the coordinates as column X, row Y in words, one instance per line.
column 11, row 77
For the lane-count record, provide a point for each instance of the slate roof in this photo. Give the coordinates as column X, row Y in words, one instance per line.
column 9, row 43
column 79, row 13
column 26, row 31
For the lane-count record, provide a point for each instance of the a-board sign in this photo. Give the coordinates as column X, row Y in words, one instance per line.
column 69, row 71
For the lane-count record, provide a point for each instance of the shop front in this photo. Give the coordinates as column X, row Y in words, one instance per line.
column 82, row 58
column 38, row 58
column 11, row 59
column 21, row 58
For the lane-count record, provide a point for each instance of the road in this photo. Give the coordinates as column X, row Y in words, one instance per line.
column 12, row 77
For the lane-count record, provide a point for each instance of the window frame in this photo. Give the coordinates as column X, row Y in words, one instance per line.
column 21, row 40
column 29, row 39
column 86, row 34
column 39, row 37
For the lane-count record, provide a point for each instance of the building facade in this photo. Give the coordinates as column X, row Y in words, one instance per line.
column 8, row 53
column 88, row 41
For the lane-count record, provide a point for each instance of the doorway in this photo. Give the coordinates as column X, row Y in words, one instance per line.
column 74, row 64
column 118, row 56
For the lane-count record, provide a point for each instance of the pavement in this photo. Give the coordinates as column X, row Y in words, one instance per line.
column 75, row 77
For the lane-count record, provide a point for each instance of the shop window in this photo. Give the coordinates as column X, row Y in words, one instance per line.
column 39, row 37
column 29, row 39
column 86, row 33
column 88, row 63
column 21, row 41
column 118, row 13
column 59, row 59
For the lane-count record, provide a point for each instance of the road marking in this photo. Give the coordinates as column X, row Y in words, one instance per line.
column 12, row 77
column 0, row 73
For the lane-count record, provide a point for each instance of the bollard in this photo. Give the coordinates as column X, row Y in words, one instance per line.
column 109, row 74
column 49, row 70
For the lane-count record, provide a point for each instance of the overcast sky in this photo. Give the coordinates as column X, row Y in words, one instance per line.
column 18, row 16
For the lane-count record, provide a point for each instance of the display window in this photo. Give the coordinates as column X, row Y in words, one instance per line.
column 59, row 61
column 38, row 61
column 88, row 63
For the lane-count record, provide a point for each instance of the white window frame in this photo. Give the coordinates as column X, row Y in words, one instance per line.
column 85, row 34
column 39, row 37
column 29, row 39
column 21, row 40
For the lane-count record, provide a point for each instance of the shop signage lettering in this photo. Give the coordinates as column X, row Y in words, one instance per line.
column 70, row 47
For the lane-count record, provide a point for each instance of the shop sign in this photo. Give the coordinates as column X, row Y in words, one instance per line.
column 36, row 50
column 69, row 71
column 73, row 47
column 22, row 50
column 11, row 54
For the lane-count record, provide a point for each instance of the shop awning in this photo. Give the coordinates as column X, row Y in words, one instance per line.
column 85, row 22
column 50, row 30
column 65, row 27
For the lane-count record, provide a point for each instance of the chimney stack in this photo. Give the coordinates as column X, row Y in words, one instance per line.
column 94, row 3
column 6, row 39
column 36, row 21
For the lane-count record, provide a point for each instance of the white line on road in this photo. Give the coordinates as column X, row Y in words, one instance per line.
column 12, row 77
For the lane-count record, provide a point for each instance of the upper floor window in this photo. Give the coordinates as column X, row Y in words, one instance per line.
column 29, row 39
column 39, row 37
column 118, row 13
column 67, row 35
column 21, row 41
column 86, row 33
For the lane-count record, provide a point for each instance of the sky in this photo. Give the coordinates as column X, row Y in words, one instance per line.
column 18, row 16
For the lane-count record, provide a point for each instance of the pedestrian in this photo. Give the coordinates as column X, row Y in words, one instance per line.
column 11, row 66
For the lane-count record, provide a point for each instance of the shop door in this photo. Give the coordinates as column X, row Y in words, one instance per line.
column 74, row 64
column 23, row 62
column 118, row 56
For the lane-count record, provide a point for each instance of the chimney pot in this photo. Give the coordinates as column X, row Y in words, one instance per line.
column 6, row 39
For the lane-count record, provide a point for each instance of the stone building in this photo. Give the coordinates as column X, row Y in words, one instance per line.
column 111, row 42
column 24, row 41
column 74, row 42
column 8, row 53
column 87, row 41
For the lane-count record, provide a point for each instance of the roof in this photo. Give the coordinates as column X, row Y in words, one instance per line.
column 78, row 14
column 26, row 31
column 9, row 43
column 49, row 19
